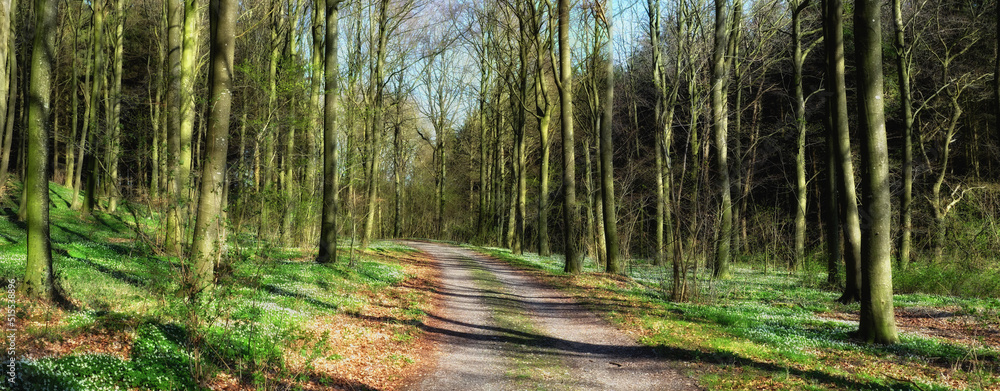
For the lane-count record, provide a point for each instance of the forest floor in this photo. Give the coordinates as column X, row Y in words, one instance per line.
column 775, row 330
column 417, row 315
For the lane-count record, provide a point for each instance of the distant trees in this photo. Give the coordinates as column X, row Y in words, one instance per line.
column 711, row 128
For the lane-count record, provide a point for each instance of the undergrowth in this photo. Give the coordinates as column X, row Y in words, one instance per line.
column 124, row 292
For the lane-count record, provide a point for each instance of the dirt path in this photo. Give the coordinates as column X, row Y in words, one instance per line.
column 498, row 329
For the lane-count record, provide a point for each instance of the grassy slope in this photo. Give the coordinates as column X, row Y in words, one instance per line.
column 767, row 331
column 276, row 319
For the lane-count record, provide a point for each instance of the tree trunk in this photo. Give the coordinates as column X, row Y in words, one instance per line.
column 99, row 72
column 831, row 214
column 571, row 213
column 328, row 228
column 38, row 276
column 614, row 264
column 207, row 245
column 175, row 34
column 800, row 126
column 877, row 322
column 720, row 125
column 903, row 74
column 114, row 126
column 834, row 42
column 189, row 73
column 315, row 127
column 376, row 125
column 10, row 77
column 7, row 82
column 74, row 91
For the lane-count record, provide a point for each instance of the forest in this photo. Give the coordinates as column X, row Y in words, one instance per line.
column 283, row 194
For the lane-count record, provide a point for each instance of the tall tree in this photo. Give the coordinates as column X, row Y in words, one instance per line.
column 375, row 128
column 614, row 264
column 837, row 106
column 666, row 99
column 175, row 34
column 571, row 213
column 328, row 227
column 38, row 275
column 114, row 107
column 8, row 85
column 205, row 248
column 100, row 61
column 720, row 124
column 903, row 61
column 5, row 35
column 544, row 108
column 798, row 58
column 878, row 323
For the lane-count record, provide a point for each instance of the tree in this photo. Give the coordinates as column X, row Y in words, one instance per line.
column 114, row 107
column 8, row 85
column 720, row 124
column 878, row 322
column 544, row 108
column 666, row 100
column 100, row 61
column 607, row 150
column 904, row 58
column 841, row 148
column 571, row 213
column 5, row 79
column 175, row 23
column 206, row 245
column 38, row 275
column 798, row 58
column 328, row 228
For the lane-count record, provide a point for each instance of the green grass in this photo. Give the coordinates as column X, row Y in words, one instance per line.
column 769, row 330
column 264, row 296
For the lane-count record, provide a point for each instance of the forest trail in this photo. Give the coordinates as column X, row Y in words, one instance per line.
column 496, row 328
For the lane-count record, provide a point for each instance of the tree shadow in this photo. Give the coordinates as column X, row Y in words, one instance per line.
column 272, row 289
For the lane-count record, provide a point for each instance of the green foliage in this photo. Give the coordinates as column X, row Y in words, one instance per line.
column 159, row 362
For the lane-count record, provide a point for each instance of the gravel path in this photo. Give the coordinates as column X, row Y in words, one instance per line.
column 498, row 329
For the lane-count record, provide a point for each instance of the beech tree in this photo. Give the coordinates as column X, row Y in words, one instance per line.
column 38, row 275
column 841, row 149
column 571, row 213
column 720, row 125
column 878, row 322
column 607, row 150
column 328, row 228
column 206, row 247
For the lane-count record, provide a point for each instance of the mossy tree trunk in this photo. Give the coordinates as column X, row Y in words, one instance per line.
column 38, row 276
column 207, row 238
column 571, row 213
